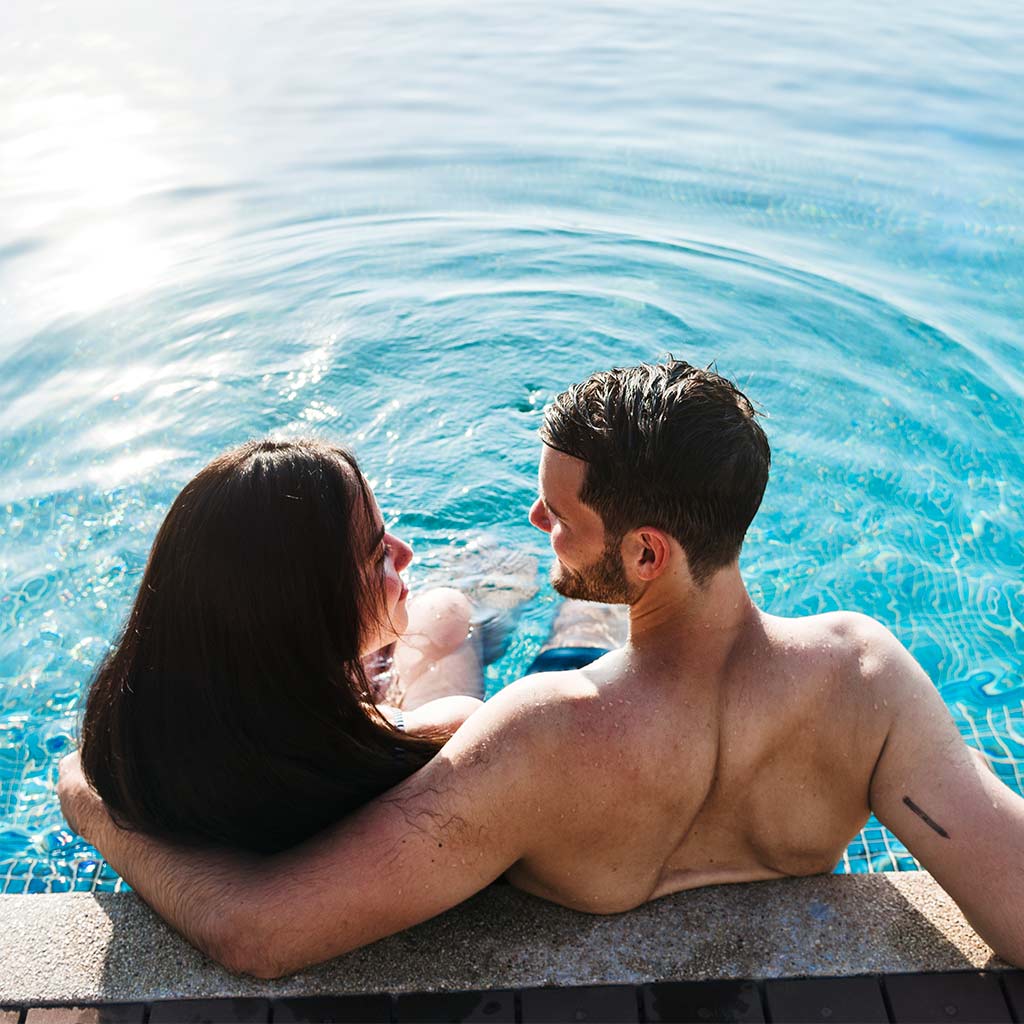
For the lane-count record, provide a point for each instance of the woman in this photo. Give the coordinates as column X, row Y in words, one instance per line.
column 240, row 705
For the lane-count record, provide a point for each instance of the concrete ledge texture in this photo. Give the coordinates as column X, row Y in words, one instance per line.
column 110, row 946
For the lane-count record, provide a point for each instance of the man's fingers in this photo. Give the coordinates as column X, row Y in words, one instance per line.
column 69, row 764
column 72, row 791
column 70, row 775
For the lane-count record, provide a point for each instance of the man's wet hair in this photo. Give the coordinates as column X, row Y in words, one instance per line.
column 670, row 446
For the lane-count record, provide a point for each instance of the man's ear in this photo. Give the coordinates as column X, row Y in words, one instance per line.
column 646, row 552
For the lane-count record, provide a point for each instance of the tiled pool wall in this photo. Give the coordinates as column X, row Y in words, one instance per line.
column 874, row 850
column 997, row 730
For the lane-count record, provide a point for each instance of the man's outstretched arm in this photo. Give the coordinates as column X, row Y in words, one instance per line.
column 431, row 842
column 943, row 802
column 198, row 910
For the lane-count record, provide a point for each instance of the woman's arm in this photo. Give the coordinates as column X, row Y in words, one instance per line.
column 443, row 715
column 431, row 842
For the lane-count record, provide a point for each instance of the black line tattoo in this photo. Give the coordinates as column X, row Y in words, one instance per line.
column 924, row 817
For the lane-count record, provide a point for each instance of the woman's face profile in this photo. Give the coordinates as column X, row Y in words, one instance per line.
column 386, row 556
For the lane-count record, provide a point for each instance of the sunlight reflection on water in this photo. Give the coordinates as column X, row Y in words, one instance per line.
column 408, row 227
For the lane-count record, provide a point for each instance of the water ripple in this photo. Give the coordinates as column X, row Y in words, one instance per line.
column 413, row 233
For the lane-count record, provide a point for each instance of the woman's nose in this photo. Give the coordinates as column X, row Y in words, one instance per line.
column 401, row 553
column 539, row 516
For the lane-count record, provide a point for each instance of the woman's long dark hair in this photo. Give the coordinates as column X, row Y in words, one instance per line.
column 235, row 708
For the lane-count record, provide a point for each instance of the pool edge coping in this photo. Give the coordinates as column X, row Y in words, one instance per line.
column 83, row 947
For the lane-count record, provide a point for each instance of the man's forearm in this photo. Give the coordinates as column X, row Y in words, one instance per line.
column 198, row 892
column 433, row 841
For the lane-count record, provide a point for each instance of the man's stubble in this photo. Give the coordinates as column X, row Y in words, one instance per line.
column 603, row 581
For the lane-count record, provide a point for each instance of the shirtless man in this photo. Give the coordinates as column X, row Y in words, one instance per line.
column 720, row 744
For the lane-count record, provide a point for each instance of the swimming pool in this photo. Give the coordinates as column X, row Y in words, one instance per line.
column 409, row 225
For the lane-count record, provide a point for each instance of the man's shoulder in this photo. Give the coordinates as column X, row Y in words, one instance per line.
column 862, row 647
column 538, row 710
column 546, row 695
column 525, row 732
column 863, row 627
column 847, row 631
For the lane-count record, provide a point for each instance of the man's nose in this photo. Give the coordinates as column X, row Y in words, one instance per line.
column 539, row 516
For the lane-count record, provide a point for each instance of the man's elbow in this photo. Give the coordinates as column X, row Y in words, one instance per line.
column 238, row 941
column 260, row 963
column 260, row 967
column 245, row 944
column 1004, row 937
column 1014, row 957
column 256, row 938
column 1011, row 950
column 242, row 953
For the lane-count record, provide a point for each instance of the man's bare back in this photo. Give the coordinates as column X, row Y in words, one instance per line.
column 760, row 771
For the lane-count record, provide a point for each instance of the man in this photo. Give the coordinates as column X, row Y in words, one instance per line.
column 719, row 744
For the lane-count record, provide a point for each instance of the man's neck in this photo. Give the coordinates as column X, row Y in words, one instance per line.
column 689, row 629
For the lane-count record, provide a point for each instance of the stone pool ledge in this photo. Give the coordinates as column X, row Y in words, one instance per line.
column 109, row 946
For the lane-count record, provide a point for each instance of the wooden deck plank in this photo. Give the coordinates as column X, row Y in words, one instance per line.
column 596, row 1004
column 836, row 1000
column 210, row 1011
column 1013, row 988
column 371, row 1009
column 956, row 996
column 497, row 1006
column 106, row 1013
column 978, row 997
column 737, row 1002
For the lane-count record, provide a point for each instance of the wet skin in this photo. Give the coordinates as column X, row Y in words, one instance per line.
column 720, row 744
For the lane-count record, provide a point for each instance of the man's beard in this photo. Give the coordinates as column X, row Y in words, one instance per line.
column 604, row 580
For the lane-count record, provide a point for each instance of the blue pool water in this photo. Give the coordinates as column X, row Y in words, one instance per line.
column 407, row 225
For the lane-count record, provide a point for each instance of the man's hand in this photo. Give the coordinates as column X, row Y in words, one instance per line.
column 199, row 910
column 79, row 803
